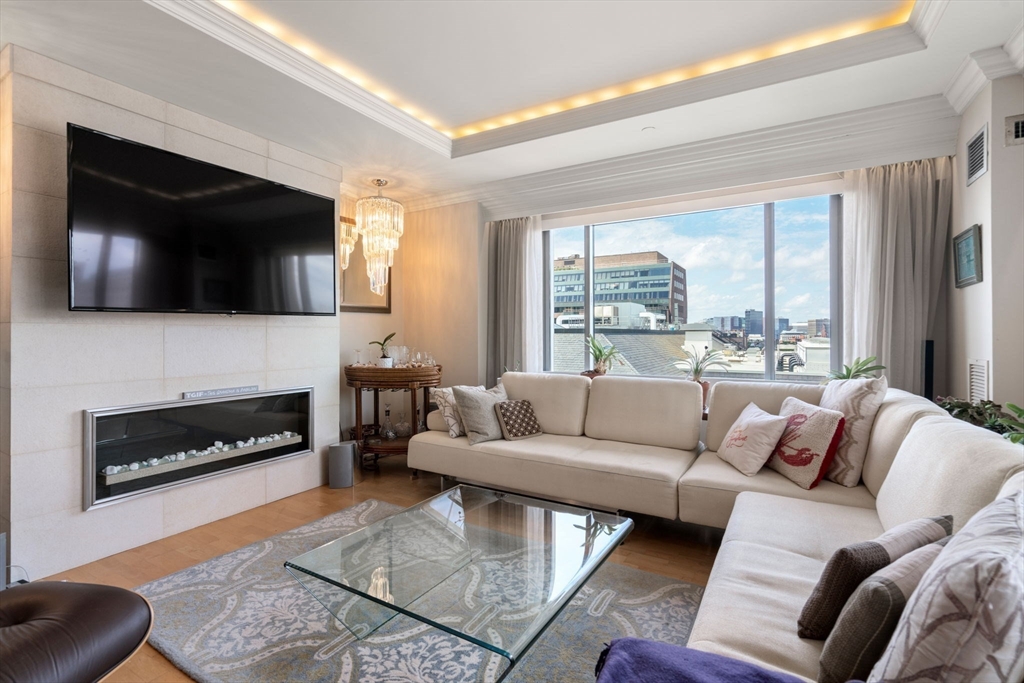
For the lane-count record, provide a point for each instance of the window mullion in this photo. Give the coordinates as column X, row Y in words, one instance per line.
column 769, row 324
column 588, row 292
column 549, row 302
column 835, row 229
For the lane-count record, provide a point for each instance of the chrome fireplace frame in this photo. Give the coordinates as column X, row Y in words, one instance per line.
column 89, row 501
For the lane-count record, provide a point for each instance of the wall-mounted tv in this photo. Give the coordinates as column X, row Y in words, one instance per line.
column 150, row 230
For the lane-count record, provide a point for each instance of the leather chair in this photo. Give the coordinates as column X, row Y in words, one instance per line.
column 54, row 631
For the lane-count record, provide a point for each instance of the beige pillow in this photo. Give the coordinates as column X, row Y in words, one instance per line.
column 751, row 439
column 445, row 400
column 476, row 408
column 858, row 400
column 965, row 621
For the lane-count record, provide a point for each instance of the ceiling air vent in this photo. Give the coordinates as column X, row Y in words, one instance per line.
column 977, row 160
column 1015, row 130
column 977, row 380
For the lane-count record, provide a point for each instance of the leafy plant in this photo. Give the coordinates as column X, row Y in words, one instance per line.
column 603, row 355
column 384, row 344
column 987, row 414
column 697, row 364
column 860, row 369
column 1014, row 424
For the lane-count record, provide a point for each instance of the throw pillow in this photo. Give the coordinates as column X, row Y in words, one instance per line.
column 852, row 564
column 477, row 411
column 965, row 621
column 751, row 439
column 869, row 618
column 517, row 420
column 858, row 400
column 808, row 444
column 445, row 400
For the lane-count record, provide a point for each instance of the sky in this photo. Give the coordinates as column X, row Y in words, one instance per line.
column 723, row 254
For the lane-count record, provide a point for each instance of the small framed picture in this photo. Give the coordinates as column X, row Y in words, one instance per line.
column 967, row 256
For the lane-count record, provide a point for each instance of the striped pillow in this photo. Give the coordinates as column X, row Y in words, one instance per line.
column 852, row 564
column 870, row 616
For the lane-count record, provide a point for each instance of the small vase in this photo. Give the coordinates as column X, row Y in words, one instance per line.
column 591, row 373
column 385, row 362
column 705, row 386
column 387, row 430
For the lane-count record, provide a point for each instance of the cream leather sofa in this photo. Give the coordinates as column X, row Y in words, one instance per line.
column 775, row 547
column 617, row 443
column 631, row 444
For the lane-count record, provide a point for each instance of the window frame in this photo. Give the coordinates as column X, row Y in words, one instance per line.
column 768, row 305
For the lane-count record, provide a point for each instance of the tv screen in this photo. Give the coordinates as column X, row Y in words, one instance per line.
column 150, row 230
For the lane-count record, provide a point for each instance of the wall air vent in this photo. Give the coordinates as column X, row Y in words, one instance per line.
column 977, row 157
column 1015, row 130
column 977, row 380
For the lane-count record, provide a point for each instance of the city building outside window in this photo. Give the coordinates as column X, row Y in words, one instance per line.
column 700, row 280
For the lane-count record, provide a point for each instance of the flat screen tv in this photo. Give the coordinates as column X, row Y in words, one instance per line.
column 150, row 230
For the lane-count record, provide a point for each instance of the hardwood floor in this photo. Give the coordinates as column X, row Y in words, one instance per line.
column 656, row 545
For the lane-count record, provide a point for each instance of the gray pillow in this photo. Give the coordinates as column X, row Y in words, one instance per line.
column 477, row 411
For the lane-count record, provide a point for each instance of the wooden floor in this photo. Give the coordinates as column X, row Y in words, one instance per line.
column 656, row 545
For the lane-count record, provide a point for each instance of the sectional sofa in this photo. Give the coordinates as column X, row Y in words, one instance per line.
column 633, row 444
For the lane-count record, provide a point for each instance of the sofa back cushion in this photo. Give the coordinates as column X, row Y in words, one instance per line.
column 645, row 410
column 559, row 401
column 728, row 399
column 946, row 467
column 897, row 414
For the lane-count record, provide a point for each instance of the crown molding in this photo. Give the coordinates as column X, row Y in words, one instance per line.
column 868, row 47
column 977, row 69
column 1014, row 47
column 903, row 131
column 925, row 17
column 233, row 30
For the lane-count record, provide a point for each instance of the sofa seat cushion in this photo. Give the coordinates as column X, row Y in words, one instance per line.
column 750, row 607
column 708, row 490
column 604, row 474
column 772, row 555
column 805, row 527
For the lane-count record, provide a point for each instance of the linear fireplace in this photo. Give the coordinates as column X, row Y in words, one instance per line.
column 133, row 450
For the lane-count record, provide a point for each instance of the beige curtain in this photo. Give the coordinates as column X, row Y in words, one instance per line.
column 515, row 289
column 896, row 222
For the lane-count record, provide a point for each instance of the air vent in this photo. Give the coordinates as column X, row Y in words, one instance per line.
column 1015, row 130
column 977, row 160
column 977, row 380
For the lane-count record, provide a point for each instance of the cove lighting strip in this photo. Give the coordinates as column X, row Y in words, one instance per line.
column 784, row 47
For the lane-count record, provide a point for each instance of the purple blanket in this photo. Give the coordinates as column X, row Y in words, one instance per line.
column 634, row 660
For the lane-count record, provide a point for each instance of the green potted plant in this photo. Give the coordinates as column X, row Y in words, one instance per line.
column 603, row 357
column 860, row 369
column 384, row 361
column 1014, row 424
column 698, row 363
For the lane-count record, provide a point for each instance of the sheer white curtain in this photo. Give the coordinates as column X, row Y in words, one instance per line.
column 515, row 312
column 895, row 227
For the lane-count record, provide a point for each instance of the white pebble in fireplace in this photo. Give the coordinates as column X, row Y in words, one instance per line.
column 135, row 450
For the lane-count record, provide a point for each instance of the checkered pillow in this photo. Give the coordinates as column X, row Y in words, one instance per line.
column 517, row 420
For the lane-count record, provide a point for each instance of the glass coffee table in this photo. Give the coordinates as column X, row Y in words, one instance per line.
column 492, row 568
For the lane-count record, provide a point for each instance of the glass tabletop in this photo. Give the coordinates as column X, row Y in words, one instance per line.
column 490, row 567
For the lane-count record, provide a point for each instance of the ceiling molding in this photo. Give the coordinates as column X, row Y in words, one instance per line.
column 867, row 47
column 1014, row 47
column 233, row 30
column 977, row 69
column 904, row 131
column 925, row 17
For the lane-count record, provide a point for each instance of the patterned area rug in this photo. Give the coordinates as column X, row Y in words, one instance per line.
column 242, row 617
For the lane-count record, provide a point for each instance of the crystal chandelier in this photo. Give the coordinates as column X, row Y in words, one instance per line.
column 380, row 221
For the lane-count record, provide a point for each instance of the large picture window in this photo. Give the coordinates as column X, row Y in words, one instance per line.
column 760, row 283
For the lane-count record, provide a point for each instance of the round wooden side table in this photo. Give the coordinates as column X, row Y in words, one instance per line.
column 371, row 378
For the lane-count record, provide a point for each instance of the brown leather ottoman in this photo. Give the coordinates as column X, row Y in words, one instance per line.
column 52, row 631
